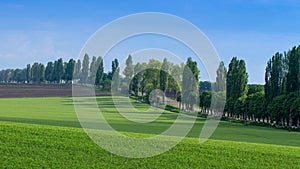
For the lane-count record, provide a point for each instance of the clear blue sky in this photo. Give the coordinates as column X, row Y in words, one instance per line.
column 46, row 30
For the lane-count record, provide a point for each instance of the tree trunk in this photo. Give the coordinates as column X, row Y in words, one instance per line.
column 290, row 120
column 298, row 122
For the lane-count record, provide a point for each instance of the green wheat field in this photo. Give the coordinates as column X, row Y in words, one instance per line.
column 45, row 132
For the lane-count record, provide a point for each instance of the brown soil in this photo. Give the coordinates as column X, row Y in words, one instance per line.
column 31, row 90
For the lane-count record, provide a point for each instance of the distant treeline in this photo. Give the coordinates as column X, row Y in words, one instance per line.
column 60, row 72
column 275, row 102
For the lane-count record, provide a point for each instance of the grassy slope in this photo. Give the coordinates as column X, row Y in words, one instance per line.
column 60, row 112
column 60, row 147
column 60, row 141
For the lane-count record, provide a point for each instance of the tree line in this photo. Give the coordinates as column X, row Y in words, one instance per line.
column 282, row 86
column 57, row 72
column 276, row 102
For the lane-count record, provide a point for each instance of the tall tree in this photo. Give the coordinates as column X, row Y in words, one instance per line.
column 28, row 73
column 230, row 80
column 151, row 79
column 221, row 78
column 174, row 80
column 60, row 70
column 70, row 70
column 163, row 74
column 267, row 86
column 77, row 73
column 292, row 79
column 274, row 77
column 93, row 70
column 190, row 83
column 236, row 84
column 128, row 72
column 100, row 72
column 49, row 72
column 144, row 80
column 37, row 72
column 136, row 80
column 19, row 76
column 242, row 79
column 41, row 73
column 115, row 76
column 85, row 69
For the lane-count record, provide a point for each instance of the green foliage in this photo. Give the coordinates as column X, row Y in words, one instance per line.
column 20, row 75
column 93, row 70
column 85, row 69
column 128, row 73
column 257, row 106
column 205, row 100
column 236, row 85
column 292, row 107
column 293, row 76
column 277, row 109
column 69, row 71
column 221, row 78
column 77, row 73
column 28, row 73
column 282, row 77
column 136, row 80
column 239, row 108
column 281, row 87
column 164, row 77
column 49, row 71
column 100, row 72
column 205, row 85
column 58, row 71
column 115, row 76
column 274, row 77
column 151, row 78
column 38, row 73
column 190, row 83
column 218, row 102
column 255, row 88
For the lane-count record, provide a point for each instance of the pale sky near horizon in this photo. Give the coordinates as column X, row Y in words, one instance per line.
column 42, row 31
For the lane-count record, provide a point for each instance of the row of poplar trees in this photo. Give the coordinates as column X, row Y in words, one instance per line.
column 60, row 72
column 277, row 102
column 282, row 87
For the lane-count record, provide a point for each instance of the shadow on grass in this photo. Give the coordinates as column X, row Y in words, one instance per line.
column 151, row 128
column 115, row 119
column 62, row 123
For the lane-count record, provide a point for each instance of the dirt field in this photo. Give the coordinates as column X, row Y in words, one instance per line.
column 30, row 90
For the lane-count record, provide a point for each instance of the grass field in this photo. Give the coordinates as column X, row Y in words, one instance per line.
column 45, row 132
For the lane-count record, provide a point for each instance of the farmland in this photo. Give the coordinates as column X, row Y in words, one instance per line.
column 45, row 132
column 150, row 84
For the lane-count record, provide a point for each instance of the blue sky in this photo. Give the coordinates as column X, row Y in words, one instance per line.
column 47, row 30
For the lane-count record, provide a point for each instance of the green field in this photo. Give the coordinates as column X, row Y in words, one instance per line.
column 45, row 132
